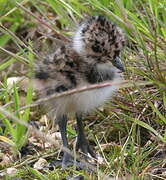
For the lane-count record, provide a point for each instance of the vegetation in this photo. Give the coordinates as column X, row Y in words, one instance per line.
column 129, row 132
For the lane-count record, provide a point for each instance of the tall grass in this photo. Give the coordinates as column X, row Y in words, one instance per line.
column 136, row 117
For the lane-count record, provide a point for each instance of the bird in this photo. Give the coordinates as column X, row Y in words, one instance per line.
column 92, row 57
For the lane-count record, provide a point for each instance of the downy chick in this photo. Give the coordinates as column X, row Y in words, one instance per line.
column 92, row 57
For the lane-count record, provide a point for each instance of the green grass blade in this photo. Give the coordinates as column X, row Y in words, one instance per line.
column 6, row 37
column 10, row 129
column 148, row 127
column 16, row 99
column 28, row 101
column 158, row 113
column 38, row 175
column 7, row 64
column 164, row 100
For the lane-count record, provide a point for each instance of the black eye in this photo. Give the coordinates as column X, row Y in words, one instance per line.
column 118, row 64
column 42, row 75
column 117, row 52
column 96, row 48
column 115, row 59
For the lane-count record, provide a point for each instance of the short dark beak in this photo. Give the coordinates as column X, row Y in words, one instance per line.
column 118, row 64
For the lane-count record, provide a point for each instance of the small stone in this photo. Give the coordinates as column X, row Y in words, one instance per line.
column 40, row 164
column 11, row 171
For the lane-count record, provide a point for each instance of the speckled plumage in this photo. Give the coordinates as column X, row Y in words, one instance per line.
column 93, row 56
column 87, row 60
column 99, row 37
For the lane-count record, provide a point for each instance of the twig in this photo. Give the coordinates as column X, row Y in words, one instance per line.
column 6, row 30
column 82, row 89
column 13, row 9
column 25, row 61
column 31, row 160
column 44, row 23
column 58, row 41
column 70, row 92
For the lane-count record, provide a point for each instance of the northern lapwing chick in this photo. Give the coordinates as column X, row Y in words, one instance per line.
column 92, row 57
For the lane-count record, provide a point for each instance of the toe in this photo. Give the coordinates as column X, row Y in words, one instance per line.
column 91, row 152
column 67, row 160
column 54, row 164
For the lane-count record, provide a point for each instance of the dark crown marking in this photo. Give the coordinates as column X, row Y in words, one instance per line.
column 99, row 36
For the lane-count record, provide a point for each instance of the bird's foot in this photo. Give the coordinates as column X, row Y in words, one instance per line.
column 68, row 161
column 84, row 146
